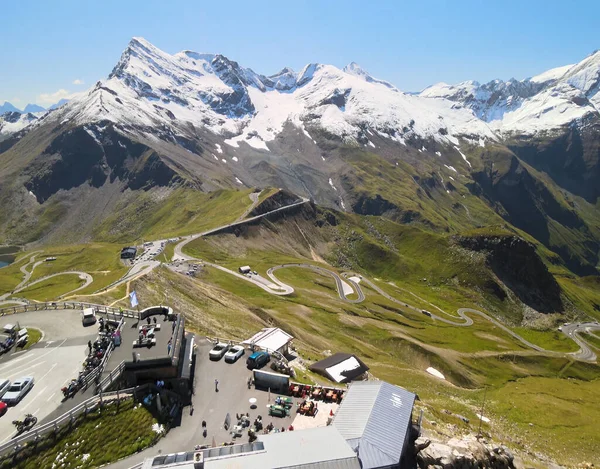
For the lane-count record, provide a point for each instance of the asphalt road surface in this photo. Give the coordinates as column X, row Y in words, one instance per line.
column 53, row 362
column 233, row 397
column 573, row 330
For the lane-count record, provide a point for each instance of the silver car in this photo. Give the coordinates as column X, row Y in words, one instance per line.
column 17, row 390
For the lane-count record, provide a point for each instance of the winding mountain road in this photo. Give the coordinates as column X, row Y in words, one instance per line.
column 463, row 320
column 345, row 285
column 28, row 273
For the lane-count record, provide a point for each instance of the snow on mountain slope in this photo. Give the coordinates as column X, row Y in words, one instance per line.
column 549, row 109
column 552, row 74
column 149, row 88
column 12, row 122
column 548, row 101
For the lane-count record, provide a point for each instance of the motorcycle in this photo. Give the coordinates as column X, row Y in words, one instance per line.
column 71, row 389
column 25, row 425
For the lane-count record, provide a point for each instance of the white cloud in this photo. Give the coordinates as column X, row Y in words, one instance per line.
column 78, row 82
column 52, row 98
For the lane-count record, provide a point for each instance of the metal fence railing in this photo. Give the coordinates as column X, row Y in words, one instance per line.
column 111, row 378
column 68, row 305
column 17, row 443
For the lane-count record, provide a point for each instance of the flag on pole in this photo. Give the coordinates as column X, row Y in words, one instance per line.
column 133, row 299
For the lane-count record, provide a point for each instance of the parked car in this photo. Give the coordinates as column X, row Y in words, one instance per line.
column 234, row 353
column 3, row 408
column 217, row 352
column 88, row 317
column 17, row 390
column 22, row 337
column 4, row 385
column 258, row 360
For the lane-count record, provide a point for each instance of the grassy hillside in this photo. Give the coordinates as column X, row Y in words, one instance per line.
column 182, row 211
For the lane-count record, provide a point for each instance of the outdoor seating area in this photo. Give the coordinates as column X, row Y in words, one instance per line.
column 325, row 394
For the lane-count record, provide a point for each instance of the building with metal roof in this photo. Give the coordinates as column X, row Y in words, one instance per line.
column 372, row 429
column 340, row 367
column 128, row 252
column 316, row 448
column 375, row 419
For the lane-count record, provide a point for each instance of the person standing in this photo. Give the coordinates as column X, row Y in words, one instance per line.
column 216, row 385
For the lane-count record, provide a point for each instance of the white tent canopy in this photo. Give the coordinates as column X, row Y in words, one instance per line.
column 270, row 339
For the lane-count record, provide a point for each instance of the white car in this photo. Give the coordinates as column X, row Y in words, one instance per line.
column 4, row 385
column 234, row 353
column 217, row 352
column 17, row 390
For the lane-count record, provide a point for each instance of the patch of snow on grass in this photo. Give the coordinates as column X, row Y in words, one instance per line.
column 223, row 160
column 218, row 147
column 331, row 184
column 371, row 144
column 436, row 373
column 235, row 158
column 238, row 181
column 451, row 168
column 463, row 156
column 85, row 457
column 438, row 153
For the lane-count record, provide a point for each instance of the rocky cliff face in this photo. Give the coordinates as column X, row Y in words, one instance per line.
column 95, row 154
column 517, row 264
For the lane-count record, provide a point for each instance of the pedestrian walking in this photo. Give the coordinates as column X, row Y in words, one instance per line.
column 216, row 385
column 90, row 346
column 169, row 347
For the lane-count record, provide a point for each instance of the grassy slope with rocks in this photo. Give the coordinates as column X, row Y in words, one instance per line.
column 90, row 445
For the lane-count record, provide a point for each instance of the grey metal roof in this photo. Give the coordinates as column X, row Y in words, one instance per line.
column 295, row 449
column 374, row 419
column 347, row 463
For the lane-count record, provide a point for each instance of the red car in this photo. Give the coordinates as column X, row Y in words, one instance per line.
column 3, row 407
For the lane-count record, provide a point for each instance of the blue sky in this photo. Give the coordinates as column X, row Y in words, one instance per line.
column 48, row 45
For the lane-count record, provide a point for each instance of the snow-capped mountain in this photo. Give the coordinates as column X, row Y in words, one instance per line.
column 149, row 87
column 12, row 122
column 461, row 153
column 547, row 102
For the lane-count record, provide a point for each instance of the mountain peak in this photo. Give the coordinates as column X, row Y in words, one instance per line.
column 7, row 107
column 354, row 69
column 33, row 108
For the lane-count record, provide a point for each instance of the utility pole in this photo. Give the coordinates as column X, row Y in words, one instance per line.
column 481, row 413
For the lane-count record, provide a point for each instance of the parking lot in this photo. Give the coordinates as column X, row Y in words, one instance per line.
column 52, row 362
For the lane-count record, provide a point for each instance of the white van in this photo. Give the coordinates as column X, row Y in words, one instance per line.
column 88, row 317
column 22, row 337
